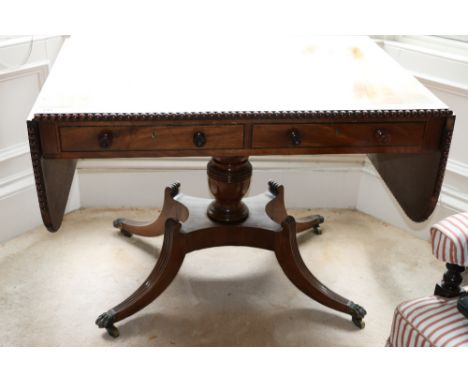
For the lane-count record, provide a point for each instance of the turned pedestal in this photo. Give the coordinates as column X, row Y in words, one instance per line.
column 190, row 224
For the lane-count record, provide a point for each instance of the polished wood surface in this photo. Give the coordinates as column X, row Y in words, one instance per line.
column 288, row 96
column 408, row 148
column 229, row 181
column 416, row 180
column 403, row 135
column 171, row 209
column 267, row 226
column 53, row 179
column 79, row 136
column 156, row 137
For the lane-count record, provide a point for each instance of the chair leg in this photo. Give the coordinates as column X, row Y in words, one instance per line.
column 450, row 284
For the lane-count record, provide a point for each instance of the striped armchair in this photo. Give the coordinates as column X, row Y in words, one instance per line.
column 450, row 245
column 429, row 321
column 442, row 319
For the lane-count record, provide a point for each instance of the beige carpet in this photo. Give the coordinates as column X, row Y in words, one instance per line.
column 53, row 286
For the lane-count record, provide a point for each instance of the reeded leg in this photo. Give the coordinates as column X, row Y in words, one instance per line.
column 225, row 221
column 290, row 260
column 172, row 209
column 276, row 210
column 168, row 264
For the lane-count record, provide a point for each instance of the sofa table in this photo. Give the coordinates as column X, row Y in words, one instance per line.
column 284, row 96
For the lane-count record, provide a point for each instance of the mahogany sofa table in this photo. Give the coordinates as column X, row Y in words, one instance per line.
column 289, row 96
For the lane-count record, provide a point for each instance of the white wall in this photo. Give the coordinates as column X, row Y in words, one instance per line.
column 336, row 181
column 312, row 181
column 24, row 66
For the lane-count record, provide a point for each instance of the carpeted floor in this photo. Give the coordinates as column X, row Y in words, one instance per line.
column 53, row 286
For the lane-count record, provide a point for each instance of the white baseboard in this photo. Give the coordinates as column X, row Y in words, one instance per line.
column 338, row 181
column 374, row 198
column 347, row 181
column 15, row 221
column 14, row 151
column 335, row 181
column 10, row 185
column 321, row 181
column 19, row 205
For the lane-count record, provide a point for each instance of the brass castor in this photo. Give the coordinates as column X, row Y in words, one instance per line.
column 358, row 314
column 359, row 322
column 106, row 321
column 125, row 233
column 117, row 223
column 113, row 331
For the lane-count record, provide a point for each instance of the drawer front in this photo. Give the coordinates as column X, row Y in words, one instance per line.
column 123, row 138
column 337, row 135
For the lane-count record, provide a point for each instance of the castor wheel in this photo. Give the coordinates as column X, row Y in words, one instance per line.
column 358, row 313
column 106, row 321
column 117, row 223
column 113, row 331
column 359, row 322
column 317, row 230
column 125, row 233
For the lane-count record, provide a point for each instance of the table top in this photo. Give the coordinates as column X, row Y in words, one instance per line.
column 264, row 96
column 155, row 74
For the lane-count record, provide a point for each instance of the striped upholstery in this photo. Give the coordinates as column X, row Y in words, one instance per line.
column 450, row 239
column 429, row 321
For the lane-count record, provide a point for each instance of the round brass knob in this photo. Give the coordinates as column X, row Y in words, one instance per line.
column 295, row 137
column 382, row 136
column 105, row 139
column 199, row 139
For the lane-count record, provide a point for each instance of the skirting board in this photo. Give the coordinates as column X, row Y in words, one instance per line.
column 336, row 181
column 311, row 182
column 19, row 205
column 375, row 199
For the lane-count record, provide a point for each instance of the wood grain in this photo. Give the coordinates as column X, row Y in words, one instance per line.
column 265, row 227
column 156, row 137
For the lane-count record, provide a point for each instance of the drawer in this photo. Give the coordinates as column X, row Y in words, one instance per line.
column 336, row 135
column 161, row 137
